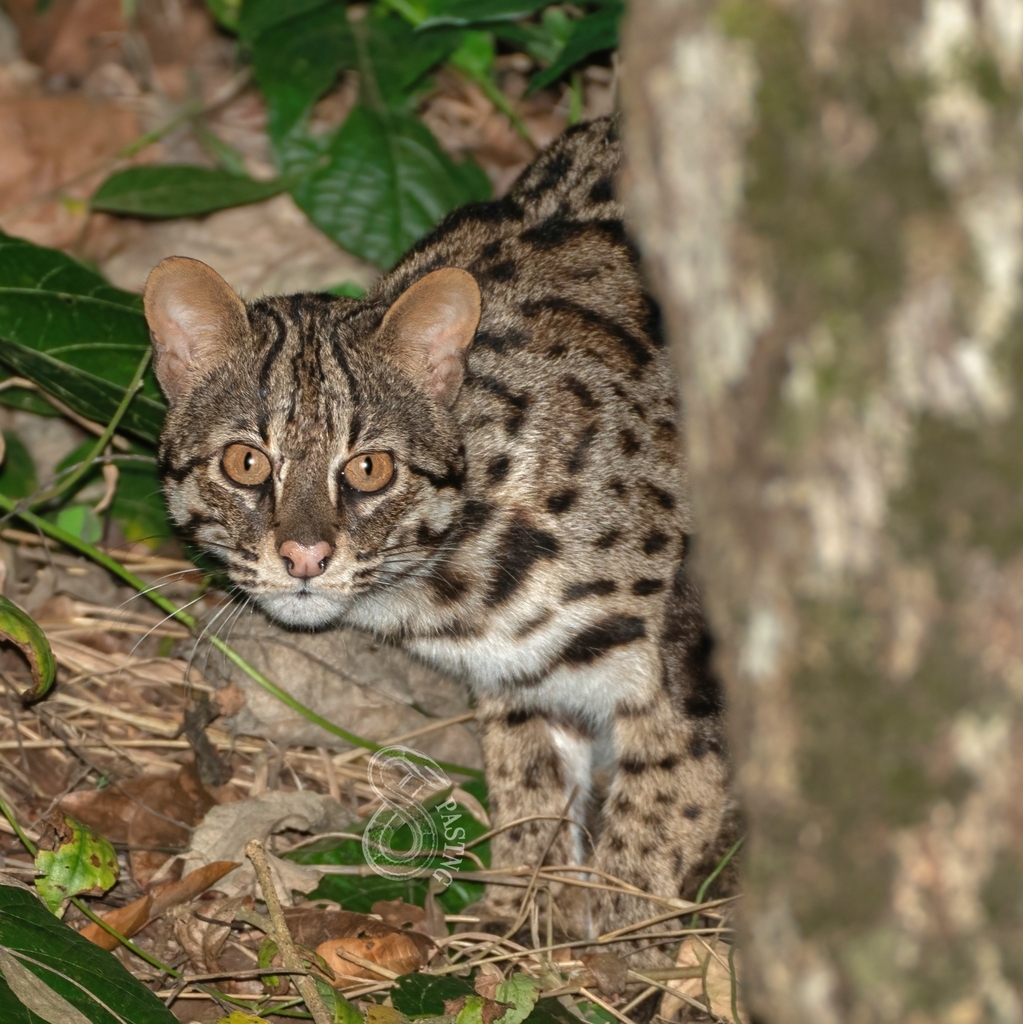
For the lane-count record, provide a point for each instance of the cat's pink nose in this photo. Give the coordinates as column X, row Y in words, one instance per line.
column 305, row 561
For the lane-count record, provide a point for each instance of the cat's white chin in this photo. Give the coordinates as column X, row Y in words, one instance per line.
column 303, row 609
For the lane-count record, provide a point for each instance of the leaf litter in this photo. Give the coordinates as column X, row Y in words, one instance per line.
column 109, row 756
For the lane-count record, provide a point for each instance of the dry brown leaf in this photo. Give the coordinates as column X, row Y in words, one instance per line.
column 610, row 971
column 153, row 814
column 48, row 142
column 487, row 980
column 397, row 953
column 203, row 928
column 127, row 920
column 401, row 915
column 713, row 990
column 170, row 894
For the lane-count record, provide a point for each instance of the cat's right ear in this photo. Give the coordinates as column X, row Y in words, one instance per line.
column 195, row 318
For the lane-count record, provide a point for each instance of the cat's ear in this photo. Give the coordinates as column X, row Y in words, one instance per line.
column 430, row 325
column 196, row 319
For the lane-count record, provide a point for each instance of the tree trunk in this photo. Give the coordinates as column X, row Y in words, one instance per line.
column 829, row 195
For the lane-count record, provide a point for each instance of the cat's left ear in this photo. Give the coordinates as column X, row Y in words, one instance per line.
column 196, row 320
column 429, row 327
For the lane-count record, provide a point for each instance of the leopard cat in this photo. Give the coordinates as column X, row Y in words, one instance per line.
column 481, row 462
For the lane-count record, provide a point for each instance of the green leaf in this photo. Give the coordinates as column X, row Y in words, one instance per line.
column 423, row 995
column 465, row 13
column 297, row 61
column 259, row 15
column 386, row 185
column 591, row 34
column 83, row 862
column 64, row 328
column 179, row 190
column 521, row 991
column 19, row 628
column 90, row 979
column 18, row 478
column 360, row 892
column 81, row 521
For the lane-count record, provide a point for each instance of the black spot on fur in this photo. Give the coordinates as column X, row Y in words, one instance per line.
column 669, row 763
column 492, row 249
column 629, row 442
column 506, row 271
column 577, row 459
column 691, row 811
column 596, row 640
column 518, row 550
column 615, row 843
column 665, row 799
column 631, row 766
column 519, row 717
column 474, row 516
column 593, row 588
column 607, row 540
column 576, row 387
column 603, row 191
column 662, row 497
column 556, row 169
column 498, row 468
column 501, row 341
column 654, row 542
column 642, row 588
column 562, row 501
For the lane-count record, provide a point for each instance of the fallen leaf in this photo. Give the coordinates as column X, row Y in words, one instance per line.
column 610, row 972
column 404, row 916
column 203, row 928
column 171, row 894
column 127, row 920
column 72, row 860
column 397, row 953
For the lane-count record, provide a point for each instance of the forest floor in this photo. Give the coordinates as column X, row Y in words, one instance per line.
column 152, row 738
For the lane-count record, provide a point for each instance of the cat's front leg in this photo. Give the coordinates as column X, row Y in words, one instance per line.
column 667, row 809
column 538, row 779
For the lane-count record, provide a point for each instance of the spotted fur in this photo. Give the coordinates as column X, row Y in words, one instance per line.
column 533, row 539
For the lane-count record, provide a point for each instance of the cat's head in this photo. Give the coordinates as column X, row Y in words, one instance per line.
column 310, row 441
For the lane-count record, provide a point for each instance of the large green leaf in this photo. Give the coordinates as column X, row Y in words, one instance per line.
column 179, row 191
column 297, row 61
column 591, row 34
column 259, row 15
column 56, row 958
column 386, row 184
column 77, row 337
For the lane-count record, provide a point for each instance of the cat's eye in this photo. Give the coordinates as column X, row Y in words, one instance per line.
column 370, row 471
column 246, row 465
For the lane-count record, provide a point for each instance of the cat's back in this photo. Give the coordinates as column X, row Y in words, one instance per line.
column 567, row 408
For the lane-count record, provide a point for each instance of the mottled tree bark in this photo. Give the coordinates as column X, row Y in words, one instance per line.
column 829, row 195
